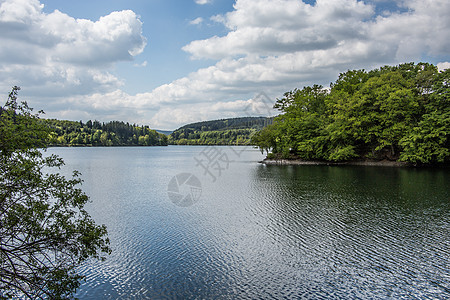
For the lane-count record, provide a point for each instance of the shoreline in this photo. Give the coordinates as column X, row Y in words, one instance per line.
column 299, row 162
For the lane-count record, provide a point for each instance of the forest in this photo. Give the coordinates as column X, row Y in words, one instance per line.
column 94, row 133
column 397, row 113
column 234, row 131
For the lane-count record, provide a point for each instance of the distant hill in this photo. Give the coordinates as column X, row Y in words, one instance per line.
column 234, row 131
column 165, row 132
column 95, row 133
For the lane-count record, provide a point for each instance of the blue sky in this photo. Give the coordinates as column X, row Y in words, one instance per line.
column 165, row 63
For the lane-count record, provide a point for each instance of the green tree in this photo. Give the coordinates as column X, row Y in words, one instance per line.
column 429, row 140
column 395, row 112
column 265, row 139
column 104, row 139
column 45, row 232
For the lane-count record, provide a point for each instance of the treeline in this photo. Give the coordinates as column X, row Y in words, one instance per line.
column 232, row 123
column 395, row 112
column 217, row 137
column 235, row 131
column 94, row 133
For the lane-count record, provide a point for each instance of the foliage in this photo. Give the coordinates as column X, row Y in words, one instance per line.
column 17, row 118
column 224, row 124
column 236, row 131
column 115, row 133
column 45, row 232
column 265, row 139
column 395, row 112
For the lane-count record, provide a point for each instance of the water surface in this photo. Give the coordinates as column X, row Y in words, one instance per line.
column 263, row 232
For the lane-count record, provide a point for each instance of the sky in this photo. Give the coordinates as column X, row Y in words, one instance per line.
column 166, row 63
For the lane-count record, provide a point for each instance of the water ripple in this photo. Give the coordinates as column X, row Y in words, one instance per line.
column 265, row 232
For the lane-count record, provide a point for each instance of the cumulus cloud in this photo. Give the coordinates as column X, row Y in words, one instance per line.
column 443, row 66
column 277, row 27
column 184, row 114
column 274, row 27
column 150, row 109
column 270, row 45
column 60, row 53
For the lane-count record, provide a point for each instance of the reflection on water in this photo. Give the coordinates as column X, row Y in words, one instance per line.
column 363, row 232
column 262, row 232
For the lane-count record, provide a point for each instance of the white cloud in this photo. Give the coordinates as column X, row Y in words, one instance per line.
column 196, row 21
column 443, row 66
column 58, row 53
column 142, row 65
column 421, row 30
column 276, row 27
column 273, row 27
column 202, row 2
column 112, row 38
column 184, row 114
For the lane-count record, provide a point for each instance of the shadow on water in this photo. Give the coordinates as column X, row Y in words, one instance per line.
column 403, row 187
column 360, row 231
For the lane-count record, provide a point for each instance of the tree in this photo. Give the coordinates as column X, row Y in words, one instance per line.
column 395, row 112
column 429, row 140
column 45, row 232
column 265, row 139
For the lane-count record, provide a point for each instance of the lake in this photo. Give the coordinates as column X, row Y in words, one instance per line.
column 195, row 222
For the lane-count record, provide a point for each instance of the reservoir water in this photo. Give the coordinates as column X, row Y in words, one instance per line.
column 194, row 222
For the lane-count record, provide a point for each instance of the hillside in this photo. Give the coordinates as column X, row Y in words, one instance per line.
column 234, row 131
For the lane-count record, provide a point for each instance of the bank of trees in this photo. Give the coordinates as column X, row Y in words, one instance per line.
column 45, row 232
column 216, row 137
column 235, row 131
column 94, row 133
column 395, row 112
